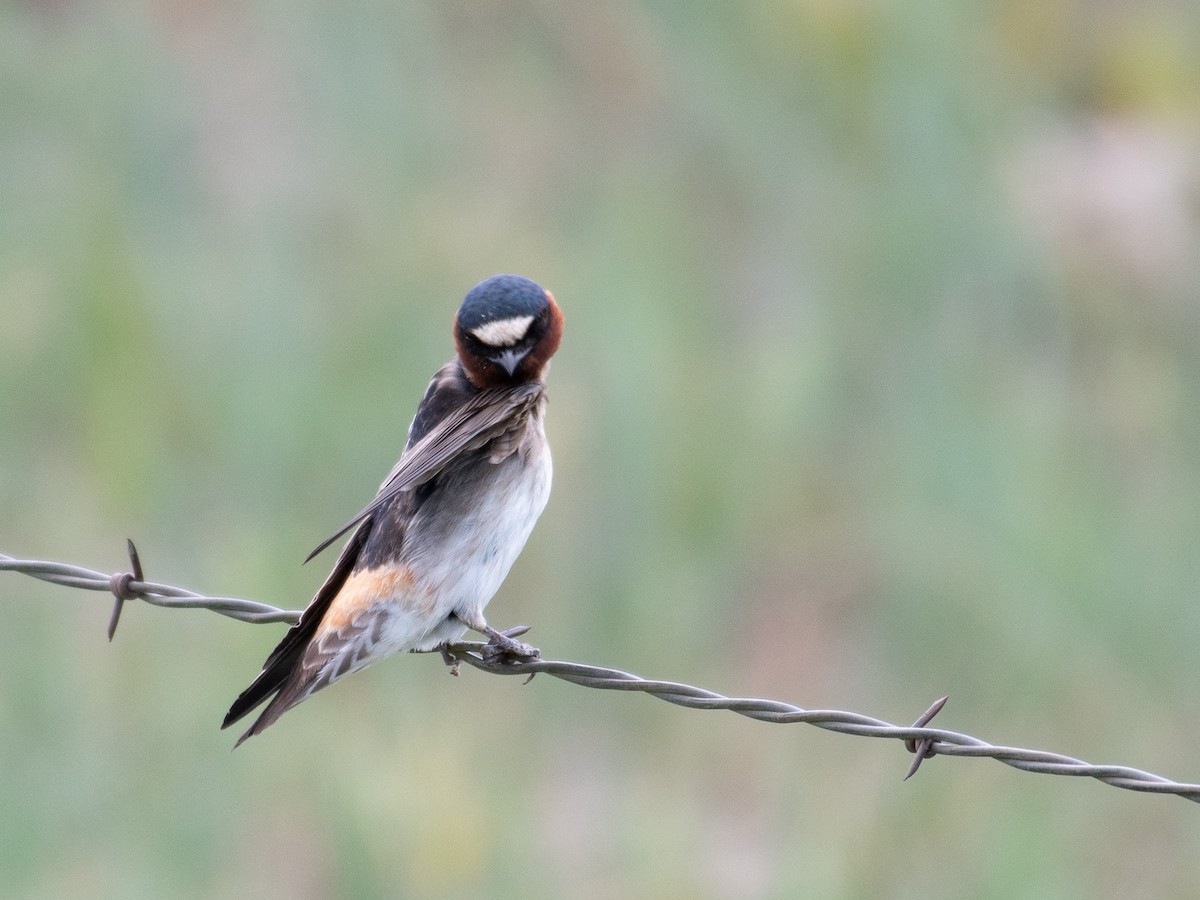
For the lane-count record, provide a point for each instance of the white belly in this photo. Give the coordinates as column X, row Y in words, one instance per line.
column 462, row 569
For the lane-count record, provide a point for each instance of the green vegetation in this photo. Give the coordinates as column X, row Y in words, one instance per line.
column 881, row 380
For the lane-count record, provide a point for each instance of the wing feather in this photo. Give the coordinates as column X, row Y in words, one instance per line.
column 485, row 416
column 284, row 658
column 446, row 427
column 323, row 661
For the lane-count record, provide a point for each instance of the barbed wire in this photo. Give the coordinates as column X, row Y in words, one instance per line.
column 918, row 738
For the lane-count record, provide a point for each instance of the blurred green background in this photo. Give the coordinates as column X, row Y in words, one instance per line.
column 881, row 380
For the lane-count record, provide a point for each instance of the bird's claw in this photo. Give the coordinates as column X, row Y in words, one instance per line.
column 449, row 658
column 502, row 646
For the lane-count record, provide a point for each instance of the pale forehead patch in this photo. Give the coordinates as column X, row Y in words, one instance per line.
column 503, row 332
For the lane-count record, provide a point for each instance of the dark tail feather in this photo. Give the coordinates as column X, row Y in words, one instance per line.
column 269, row 681
column 282, row 673
column 286, row 680
column 272, row 680
column 280, row 703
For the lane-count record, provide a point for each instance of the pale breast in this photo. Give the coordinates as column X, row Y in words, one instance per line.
column 467, row 535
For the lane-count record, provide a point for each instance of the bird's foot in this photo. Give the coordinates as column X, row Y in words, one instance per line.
column 503, row 646
column 449, row 658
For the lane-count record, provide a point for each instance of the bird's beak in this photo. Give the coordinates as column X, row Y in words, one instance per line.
column 510, row 359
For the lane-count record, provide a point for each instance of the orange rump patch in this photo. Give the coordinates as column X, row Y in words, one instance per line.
column 362, row 590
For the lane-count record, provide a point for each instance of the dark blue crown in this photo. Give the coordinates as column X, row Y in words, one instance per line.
column 501, row 297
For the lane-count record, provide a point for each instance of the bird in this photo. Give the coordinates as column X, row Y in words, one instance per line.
column 426, row 555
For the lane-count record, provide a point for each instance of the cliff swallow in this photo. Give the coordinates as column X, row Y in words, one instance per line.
column 427, row 554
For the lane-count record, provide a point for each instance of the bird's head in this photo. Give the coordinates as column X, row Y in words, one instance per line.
column 506, row 330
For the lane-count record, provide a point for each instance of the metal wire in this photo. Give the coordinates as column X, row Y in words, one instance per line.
column 919, row 738
column 152, row 592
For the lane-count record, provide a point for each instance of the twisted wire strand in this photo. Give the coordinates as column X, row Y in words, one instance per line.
column 940, row 741
column 944, row 742
column 166, row 595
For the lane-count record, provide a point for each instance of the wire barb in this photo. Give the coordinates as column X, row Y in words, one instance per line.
column 919, row 738
column 121, row 586
column 924, row 747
